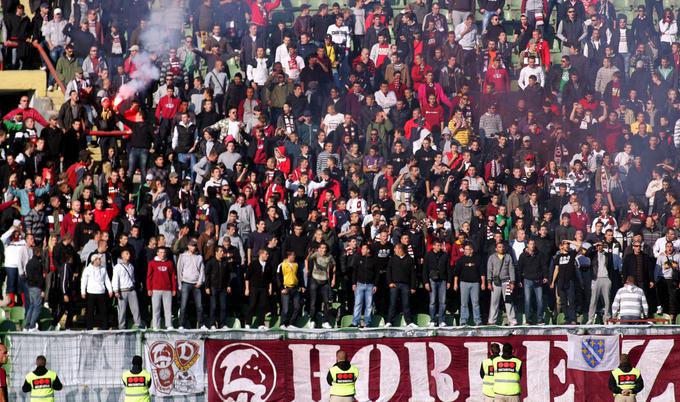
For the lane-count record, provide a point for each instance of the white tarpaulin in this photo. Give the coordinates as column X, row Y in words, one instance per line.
column 176, row 364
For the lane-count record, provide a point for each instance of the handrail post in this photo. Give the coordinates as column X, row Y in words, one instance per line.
column 50, row 66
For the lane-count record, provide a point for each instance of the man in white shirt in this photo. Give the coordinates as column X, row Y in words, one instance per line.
column 529, row 70
column 340, row 36
column 123, row 284
column 94, row 285
column 292, row 64
column 282, row 49
column 385, row 98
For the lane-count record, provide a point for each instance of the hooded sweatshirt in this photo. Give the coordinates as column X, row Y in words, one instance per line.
column 462, row 213
column 190, row 268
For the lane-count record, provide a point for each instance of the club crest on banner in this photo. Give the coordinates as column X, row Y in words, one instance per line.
column 175, row 368
column 244, row 373
column 593, row 351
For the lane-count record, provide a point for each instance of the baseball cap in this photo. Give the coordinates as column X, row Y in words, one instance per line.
column 526, row 138
column 129, row 206
column 57, row 10
column 193, row 242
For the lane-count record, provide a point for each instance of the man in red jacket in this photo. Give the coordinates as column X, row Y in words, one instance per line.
column 27, row 112
column 167, row 108
column 71, row 219
column 161, row 284
column 259, row 11
column 104, row 216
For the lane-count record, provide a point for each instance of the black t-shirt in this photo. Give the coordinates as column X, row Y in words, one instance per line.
column 567, row 265
column 468, row 269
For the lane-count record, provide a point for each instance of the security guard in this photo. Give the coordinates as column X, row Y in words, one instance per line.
column 486, row 372
column 41, row 382
column 137, row 382
column 342, row 378
column 507, row 371
column 625, row 381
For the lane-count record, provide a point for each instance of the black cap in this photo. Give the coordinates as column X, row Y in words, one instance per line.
column 137, row 361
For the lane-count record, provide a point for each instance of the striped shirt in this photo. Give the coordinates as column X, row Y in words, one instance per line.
column 630, row 301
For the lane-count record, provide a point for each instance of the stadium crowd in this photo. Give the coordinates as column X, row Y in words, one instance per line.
column 351, row 160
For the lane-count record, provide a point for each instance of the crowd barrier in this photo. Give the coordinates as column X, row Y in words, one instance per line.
column 395, row 364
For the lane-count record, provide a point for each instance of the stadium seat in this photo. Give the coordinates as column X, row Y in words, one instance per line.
column 274, row 322
column 346, row 321
column 17, row 314
column 377, row 321
column 561, row 319
column 423, row 320
column 233, row 323
column 663, row 317
column 7, row 326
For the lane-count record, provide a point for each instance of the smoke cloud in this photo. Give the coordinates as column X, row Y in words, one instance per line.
column 159, row 34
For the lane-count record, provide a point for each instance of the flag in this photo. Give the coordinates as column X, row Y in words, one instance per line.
column 593, row 352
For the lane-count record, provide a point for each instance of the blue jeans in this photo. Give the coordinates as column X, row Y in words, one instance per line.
column 218, row 299
column 34, row 304
column 55, row 54
column 12, row 280
column 191, row 160
column 189, row 289
column 363, row 302
column 290, row 302
column 469, row 293
column 535, row 288
column 437, row 294
column 403, row 292
column 137, row 160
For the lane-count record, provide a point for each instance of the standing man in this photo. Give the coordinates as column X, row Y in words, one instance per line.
column 534, row 275
column 191, row 276
column 137, row 382
column 401, row 279
column 500, row 274
column 342, row 378
column 289, row 278
column 41, row 382
column 630, row 302
column 507, row 375
column 486, row 372
column 124, row 287
column 161, row 283
column 625, row 381
column 436, row 274
column 602, row 265
column 259, row 278
column 217, row 286
column 564, row 277
column 364, row 279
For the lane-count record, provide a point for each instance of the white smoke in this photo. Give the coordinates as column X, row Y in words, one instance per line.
column 159, row 34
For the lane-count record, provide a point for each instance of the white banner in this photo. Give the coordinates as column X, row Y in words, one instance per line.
column 176, row 366
column 593, row 353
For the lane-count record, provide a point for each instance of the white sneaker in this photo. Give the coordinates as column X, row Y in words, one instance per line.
column 46, row 305
column 388, row 324
column 181, row 328
column 311, row 324
column 261, row 327
column 412, row 325
column 326, row 325
column 50, row 88
column 247, row 326
column 204, row 328
column 292, row 326
column 659, row 310
column 213, row 327
column 431, row 324
column 282, row 326
column 513, row 323
column 442, row 324
column 58, row 327
column 225, row 327
column 171, row 328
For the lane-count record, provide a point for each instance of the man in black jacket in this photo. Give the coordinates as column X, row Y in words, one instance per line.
column 533, row 272
column 364, row 280
column 401, row 279
column 217, row 286
column 35, row 284
column 437, row 278
column 258, row 289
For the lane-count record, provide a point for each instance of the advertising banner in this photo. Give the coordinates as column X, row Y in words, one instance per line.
column 430, row 368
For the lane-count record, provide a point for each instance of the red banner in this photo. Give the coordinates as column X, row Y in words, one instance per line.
column 425, row 369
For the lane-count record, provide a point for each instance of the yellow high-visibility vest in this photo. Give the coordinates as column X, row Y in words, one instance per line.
column 343, row 381
column 136, row 388
column 42, row 386
column 626, row 380
column 487, row 381
column 506, row 380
